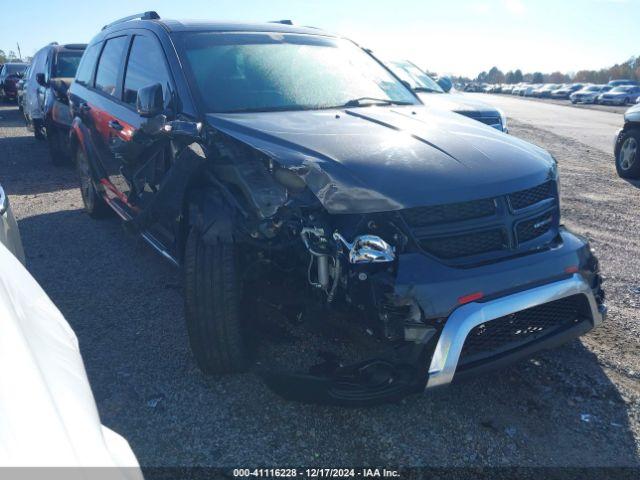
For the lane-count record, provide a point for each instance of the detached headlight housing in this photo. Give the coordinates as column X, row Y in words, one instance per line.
column 4, row 201
column 367, row 249
column 503, row 121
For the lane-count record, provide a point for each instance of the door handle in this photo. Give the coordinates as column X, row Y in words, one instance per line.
column 115, row 125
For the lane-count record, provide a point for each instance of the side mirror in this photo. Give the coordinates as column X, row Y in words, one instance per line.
column 41, row 80
column 445, row 84
column 150, row 101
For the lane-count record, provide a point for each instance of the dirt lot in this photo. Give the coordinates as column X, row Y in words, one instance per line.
column 575, row 406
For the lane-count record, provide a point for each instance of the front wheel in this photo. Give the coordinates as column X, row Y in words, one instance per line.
column 628, row 153
column 212, row 305
column 93, row 202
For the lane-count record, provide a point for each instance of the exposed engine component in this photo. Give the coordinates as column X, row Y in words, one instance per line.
column 367, row 249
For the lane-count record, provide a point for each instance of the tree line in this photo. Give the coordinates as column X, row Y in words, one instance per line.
column 628, row 70
column 10, row 57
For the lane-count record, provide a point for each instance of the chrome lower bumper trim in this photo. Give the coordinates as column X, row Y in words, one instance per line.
column 447, row 352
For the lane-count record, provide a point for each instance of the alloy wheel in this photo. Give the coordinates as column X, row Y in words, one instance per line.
column 628, row 153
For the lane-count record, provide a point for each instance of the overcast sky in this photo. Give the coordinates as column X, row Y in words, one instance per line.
column 448, row 36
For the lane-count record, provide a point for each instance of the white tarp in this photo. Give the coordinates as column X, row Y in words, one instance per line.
column 48, row 416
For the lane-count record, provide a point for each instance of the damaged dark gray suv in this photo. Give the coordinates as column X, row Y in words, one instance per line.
column 268, row 160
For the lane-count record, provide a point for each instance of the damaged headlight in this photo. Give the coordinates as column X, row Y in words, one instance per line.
column 367, row 249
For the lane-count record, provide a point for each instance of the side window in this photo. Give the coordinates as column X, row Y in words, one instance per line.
column 87, row 64
column 109, row 65
column 146, row 66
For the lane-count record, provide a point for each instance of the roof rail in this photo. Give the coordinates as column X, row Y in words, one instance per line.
column 150, row 15
column 283, row 22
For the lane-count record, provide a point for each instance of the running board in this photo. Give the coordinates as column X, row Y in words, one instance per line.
column 146, row 235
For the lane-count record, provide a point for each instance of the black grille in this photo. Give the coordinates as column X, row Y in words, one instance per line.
column 454, row 212
column 465, row 245
column 534, row 228
column 518, row 329
column 531, row 196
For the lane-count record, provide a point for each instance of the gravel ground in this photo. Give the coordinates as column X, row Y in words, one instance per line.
column 575, row 406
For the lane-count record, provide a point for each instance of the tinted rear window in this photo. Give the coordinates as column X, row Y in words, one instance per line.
column 87, row 64
column 109, row 65
column 66, row 64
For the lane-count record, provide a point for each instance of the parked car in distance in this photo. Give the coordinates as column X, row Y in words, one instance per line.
column 10, row 74
column 545, row 90
column 508, row 89
column 530, row 90
column 619, row 83
column 439, row 237
column 563, row 93
column 54, row 67
column 431, row 94
column 623, row 95
column 627, row 145
column 589, row 93
column 9, row 233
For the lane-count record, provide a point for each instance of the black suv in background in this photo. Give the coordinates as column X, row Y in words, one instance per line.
column 46, row 105
column 288, row 165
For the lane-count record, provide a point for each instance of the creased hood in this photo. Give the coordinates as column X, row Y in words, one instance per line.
column 376, row 159
column 456, row 103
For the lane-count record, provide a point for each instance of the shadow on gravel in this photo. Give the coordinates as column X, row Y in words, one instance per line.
column 10, row 116
column 25, row 165
column 125, row 304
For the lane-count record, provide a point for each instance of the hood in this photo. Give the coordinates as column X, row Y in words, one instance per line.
column 376, row 159
column 456, row 103
column 633, row 114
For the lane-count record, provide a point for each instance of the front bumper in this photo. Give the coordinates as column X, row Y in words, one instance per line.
column 444, row 361
column 434, row 356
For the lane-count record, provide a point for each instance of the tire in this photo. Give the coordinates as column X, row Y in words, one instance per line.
column 93, row 202
column 212, row 306
column 56, row 146
column 628, row 154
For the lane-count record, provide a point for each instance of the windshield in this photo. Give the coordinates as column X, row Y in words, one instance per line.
column 241, row 72
column 67, row 64
column 593, row 88
column 622, row 89
column 411, row 74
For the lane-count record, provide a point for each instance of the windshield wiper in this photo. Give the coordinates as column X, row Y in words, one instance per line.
column 366, row 101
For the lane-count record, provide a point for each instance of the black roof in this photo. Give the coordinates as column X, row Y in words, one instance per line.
column 152, row 19
column 211, row 26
